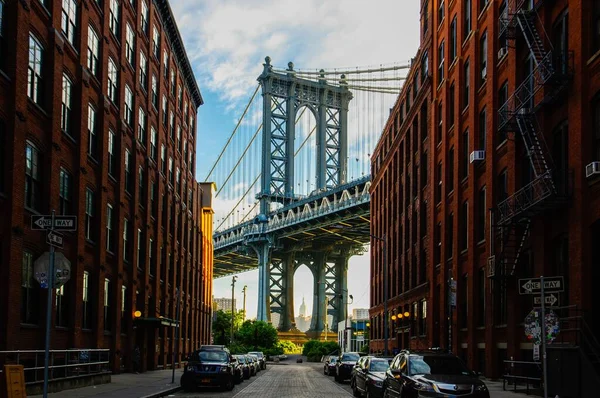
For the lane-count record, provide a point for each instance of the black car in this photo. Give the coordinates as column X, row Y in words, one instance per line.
column 431, row 373
column 329, row 366
column 262, row 360
column 368, row 376
column 238, row 370
column 209, row 366
column 345, row 364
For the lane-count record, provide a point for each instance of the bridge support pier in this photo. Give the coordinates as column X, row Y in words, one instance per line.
column 263, row 251
column 317, row 323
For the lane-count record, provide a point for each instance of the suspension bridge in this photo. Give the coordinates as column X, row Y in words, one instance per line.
column 293, row 183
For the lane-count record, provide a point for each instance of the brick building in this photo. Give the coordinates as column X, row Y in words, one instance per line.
column 98, row 102
column 513, row 137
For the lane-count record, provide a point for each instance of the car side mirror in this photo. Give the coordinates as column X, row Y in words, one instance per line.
column 397, row 373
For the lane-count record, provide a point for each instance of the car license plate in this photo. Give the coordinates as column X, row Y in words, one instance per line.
column 205, row 380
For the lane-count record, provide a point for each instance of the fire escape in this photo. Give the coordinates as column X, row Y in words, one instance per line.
column 550, row 76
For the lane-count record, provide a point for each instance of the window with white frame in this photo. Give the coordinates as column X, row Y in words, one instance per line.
column 178, row 181
column 156, row 42
column 165, row 64
column 113, row 22
column 125, row 240
column 154, row 92
column 153, row 143
column 163, row 158
column 89, row 214
column 130, row 45
column 33, row 183
column 93, row 51
column 107, row 313
column 171, row 170
column 128, row 186
column 112, row 158
column 164, row 110
column 110, row 240
column 113, row 80
column 172, row 82
column 69, row 20
column 142, row 121
column 179, row 137
column 172, row 125
column 34, row 71
column 143, row 71
column 141, row 186
column 139, row 249
column 86, row 323
column 128, row 111
column 66, row 111
column 92, row 132
column 179, row 96
column 145, row 15
column 65, row 192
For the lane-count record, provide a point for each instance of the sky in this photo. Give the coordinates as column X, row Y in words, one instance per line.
column 227, row 41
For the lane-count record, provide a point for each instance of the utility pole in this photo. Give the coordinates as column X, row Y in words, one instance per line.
column 233, row 279
column 244, row 290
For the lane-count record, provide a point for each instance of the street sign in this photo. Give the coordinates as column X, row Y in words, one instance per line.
column 533, row 327
column 62, row 270
column 549, row 299
column 61, row 223
column 54, row 239
column 533, row 286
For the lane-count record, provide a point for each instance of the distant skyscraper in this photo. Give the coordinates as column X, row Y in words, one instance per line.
column 360, row 313
column 303, row 308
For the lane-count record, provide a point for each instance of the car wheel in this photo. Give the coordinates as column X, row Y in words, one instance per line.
column 368, row 393
column 325, row 371
column 229, row 386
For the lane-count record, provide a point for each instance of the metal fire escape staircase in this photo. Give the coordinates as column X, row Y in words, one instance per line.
column 518, row 114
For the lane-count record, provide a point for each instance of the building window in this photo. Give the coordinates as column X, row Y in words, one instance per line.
column 464, row 169
column 502, row 99
column 110, row 240
column 185, row 153
column 503, row 12
column 128, row 161
column 144, row 17
column 130, row 45
column 165, row 64
column 107, row 292
column 453, row 39
column 464, row 226
column 92, row 133
column 153, row 143
column 467, row 17
column 437, row 254
column 113, row 22
column 139, row 257
column 440, row 12
column 156, row 42
column 164, row 110
column 66, row 115
column 481, row 215
column 440, row 119
column 141, row 186
column 34, row 71
column 438, row 188
column 482, row 129
column 423, row 170
column 441, row 62
column 93, row 50
column 123, row 309
column 128, row 106
column 502, row 186
column 177, row 181
column 87, row 302
column 62, row 307
column 179, row 96
column 450, row 166
column 172, row 125
column 451, row 99
column 143, row 71
column 423, row 318
column 483, row 49
column 126, row 240
column 69, row 20
column 172, row 82
column 179, row 138
column 142, row 121
column 89, row 214
column 65, row 192
column 467, row 85
column 30, row 299
column 171, row 176
column 464, row 301
column 112, row 158
column 113, row 80
column 154, row 92
column 33, row 183
column 163, row 159
column 151, row 257
column 153, row 200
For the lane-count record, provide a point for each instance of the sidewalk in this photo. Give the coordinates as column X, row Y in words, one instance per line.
column 496, row 391
column 128, row 385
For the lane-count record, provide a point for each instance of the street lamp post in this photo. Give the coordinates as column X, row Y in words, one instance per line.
column 244, row 291
column 233, row 279
column 385, row 293
column 344, row 342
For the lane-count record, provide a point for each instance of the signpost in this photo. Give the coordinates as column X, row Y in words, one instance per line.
column 49, row 276
column 553, row 284
column 550, row 299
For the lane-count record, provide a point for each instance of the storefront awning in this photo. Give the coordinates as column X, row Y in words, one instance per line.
column 155, row 322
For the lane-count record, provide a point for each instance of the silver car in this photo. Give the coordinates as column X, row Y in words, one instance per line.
column 255, row 362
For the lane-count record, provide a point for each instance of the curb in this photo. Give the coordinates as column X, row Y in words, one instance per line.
column 162, row 393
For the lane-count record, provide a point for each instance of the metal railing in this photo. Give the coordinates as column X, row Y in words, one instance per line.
column 63, row 363
column 528, row 373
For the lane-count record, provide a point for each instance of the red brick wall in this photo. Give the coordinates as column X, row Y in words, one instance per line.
column 41, row 125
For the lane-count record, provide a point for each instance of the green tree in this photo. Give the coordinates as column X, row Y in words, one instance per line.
column 222, row 325
column 257, row 335
column 288, row 347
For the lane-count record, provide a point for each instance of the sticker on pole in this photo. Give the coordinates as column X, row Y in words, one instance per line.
column 62, row 270
column 533, row 327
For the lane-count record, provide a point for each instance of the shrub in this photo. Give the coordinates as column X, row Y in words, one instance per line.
column 309, row 346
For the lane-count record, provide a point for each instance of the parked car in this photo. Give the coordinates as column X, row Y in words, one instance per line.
column 251, row 365
column 237, row 370
column 329, row 367
column 208, row 367
column 282, row 356
column 262, row 360
column 244, row 366
column 255, row 361
column 368, row 376
column 344, row 365
column 432, row 373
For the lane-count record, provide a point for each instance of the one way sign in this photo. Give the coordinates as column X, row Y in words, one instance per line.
column 61, row 223
column 533, row 286
column 549, row 299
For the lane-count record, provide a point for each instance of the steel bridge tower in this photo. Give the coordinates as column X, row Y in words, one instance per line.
column 284, row 94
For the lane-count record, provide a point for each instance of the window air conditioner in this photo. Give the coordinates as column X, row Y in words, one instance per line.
column 477, row 156
column 592, row 170
column 502, row 52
